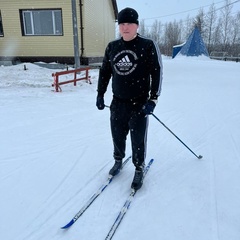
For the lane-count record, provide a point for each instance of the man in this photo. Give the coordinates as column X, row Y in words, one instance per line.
column 135, row 65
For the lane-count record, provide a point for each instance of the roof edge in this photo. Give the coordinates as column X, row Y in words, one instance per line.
column 115, row 8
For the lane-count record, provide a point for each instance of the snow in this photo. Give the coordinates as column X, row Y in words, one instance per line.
column 56, row 150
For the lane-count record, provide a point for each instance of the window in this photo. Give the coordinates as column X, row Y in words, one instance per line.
column 1, row 26
column 41, row 22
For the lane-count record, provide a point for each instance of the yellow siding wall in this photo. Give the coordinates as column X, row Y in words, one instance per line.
column 99, row 26
column 99, row 29
column 14, row 44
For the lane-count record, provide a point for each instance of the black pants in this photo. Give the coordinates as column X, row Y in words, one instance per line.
column 126, row 116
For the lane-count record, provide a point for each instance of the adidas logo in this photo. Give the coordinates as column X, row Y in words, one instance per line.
column 124, row 62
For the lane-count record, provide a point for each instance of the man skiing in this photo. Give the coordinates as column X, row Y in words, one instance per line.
column 135, row 65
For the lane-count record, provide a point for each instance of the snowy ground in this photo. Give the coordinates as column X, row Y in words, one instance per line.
column 56, row 149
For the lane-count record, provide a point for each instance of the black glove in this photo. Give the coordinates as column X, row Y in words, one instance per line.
column 148, row 107
column 100, row 102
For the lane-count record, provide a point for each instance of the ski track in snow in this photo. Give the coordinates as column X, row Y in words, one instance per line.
column 49, row 169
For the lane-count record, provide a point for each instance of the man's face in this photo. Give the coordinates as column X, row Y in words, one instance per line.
column 128, row 30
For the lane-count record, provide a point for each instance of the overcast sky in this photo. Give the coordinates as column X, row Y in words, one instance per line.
column 166, row 11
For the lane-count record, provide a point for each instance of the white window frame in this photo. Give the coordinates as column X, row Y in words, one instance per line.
column 31, row 24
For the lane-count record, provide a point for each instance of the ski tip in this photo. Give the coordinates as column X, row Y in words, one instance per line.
column 151, row 161
column 200, row 157
column 68, row 225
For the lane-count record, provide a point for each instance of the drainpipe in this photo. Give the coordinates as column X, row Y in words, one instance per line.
column 75, row 35
column 81, row 31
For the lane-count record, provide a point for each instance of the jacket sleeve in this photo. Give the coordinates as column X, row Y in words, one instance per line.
column 105, row 73
column 156, row 71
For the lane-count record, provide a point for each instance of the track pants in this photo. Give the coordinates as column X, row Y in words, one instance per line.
column 126, row 116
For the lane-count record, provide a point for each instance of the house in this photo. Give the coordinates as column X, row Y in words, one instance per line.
column 33, row 31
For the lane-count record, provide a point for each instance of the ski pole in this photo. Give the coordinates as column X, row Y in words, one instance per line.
column 199, row 157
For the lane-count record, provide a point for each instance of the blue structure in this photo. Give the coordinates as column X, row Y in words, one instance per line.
column 194, row 45
column 176, row 49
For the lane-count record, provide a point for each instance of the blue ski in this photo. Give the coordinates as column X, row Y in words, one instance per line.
column 125, row 206
column 93, row 198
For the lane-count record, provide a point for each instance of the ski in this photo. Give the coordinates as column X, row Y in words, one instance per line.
column 125, row 206
column 92, row 198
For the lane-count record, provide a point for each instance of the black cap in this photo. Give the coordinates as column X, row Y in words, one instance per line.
column 128, row 15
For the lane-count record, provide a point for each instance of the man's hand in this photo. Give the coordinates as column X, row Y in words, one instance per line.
column 100, row 102
column 148, row 107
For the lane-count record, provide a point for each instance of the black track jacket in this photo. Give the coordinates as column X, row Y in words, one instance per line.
column 135, row 67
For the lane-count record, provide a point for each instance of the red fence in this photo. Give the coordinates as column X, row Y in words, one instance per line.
column 75, row 79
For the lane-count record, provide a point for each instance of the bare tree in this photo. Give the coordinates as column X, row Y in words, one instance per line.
column 156, row 31
column 181, row 27
column 142, row 28
column 235, row 43
column 217, row 38
column 210, row 20
column 225, row 22
column 187, row 28
column 172, row 36
column 220, row 30
column 199, row 21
